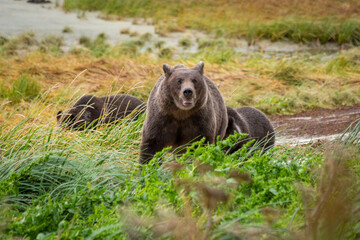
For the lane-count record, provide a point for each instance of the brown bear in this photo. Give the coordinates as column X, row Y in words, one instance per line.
column 183, row 105
column 253, row 122
column 236, row 123
column 91, row 110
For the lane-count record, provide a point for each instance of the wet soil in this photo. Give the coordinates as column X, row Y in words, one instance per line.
column 314, row 125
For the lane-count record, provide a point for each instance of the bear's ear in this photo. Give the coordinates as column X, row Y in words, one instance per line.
column 58, row 115
column 167, row 70
column 200, row 67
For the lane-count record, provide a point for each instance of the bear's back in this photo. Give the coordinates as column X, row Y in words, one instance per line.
column 259, row 125
column 89, row 103
column 236, row 122
column 119, row 106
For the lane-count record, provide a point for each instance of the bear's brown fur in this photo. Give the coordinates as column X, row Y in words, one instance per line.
column 183, row 105
column 92, row 110
column 253, row 122
column 236, row 123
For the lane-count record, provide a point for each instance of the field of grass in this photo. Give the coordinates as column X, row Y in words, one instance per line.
column 276, row 85
column 299, row 21
column 73, row 185
column 57, row 184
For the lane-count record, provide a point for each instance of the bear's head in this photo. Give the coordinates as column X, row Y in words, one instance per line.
column 81, row 115
column 187, row 86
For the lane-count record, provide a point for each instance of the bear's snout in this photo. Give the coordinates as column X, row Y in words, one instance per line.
column 188, row 92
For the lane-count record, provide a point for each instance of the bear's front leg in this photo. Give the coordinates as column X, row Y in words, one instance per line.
column 149, row 146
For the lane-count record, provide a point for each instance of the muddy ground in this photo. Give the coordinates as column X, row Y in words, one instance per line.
column 314, row 125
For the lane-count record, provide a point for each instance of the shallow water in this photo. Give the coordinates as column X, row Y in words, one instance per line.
column 17, row 17
column 293, row 141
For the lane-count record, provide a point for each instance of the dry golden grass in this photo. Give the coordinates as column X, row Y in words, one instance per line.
column 268, row 84
column 236, row 14
column 319, row 8
column 108, row 75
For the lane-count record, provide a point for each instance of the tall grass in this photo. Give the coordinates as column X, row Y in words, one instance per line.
column 43, row 159
column 22, row 88
column 87, row 184
column 98, row 46
column 54, row 179
column 298, row 22
column 51, row 44
column 308, row 30
column 275, row 84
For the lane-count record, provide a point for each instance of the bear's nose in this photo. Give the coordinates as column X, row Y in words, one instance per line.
column 188, row 92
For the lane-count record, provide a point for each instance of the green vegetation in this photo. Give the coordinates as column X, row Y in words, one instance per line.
column 88, row 185
column 304, row 30
column 125, row 31
column 98, row 46
column 3, row 40
column 57, row 184
column 133, row 34
column 159, row 44
column 145, row 37
column 51, row 44
column 67, row 29
column 22, row 88
column 22, row 42
column 276, row 20
column 185, row 42
column 166, row 53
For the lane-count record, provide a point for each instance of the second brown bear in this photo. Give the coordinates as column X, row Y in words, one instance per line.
column 183, row 105
column 253, row 122
column 90, row 110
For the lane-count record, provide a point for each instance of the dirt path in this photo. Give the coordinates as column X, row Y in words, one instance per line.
column 314, row 125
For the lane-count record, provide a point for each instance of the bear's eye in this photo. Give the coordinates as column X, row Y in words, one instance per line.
column 180, row 81
column 194, row 81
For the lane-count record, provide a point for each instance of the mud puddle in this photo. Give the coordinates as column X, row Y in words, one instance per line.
column 318, row 125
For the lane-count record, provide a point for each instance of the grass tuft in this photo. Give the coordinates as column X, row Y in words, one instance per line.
column 22, row 88
column 146, row 37
column 51, row 43
column 185, row 42
column 67, row 29
column 98, row 46
column 166, row 53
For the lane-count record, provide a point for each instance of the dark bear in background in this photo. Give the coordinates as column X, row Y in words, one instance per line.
column 90, row 109
column 183, row 105
column 253, row 122
column 236, row 123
